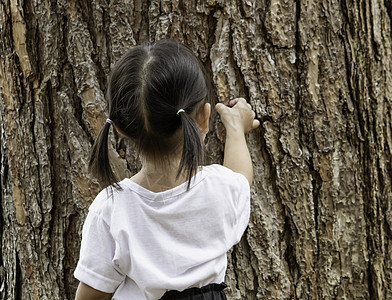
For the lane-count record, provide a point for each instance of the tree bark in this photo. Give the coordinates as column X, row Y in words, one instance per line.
column 318, row 74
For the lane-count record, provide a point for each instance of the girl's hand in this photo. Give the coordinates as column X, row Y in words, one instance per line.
column 238, row 116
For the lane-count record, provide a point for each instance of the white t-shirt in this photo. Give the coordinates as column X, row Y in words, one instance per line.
column 138, row 244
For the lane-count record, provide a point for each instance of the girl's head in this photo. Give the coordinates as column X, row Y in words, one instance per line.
column 148, row 89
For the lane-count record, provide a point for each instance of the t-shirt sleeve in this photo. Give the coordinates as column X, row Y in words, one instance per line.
column 241, row 206
column 96, row 266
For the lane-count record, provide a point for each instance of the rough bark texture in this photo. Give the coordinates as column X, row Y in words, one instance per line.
column 319, row 75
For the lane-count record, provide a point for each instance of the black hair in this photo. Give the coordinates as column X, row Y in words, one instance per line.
column 147, row 87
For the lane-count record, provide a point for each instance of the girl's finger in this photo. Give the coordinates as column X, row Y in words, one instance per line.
column 220, row 107
column 233, row 102
column 236, row 100
column 255, row 124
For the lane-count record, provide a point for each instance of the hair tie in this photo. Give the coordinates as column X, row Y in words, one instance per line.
column 109, row 121
column 180, row 111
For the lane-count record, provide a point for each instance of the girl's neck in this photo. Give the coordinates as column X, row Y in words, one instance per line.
column 158, row 177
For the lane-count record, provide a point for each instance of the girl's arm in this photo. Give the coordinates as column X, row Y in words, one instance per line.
column 238, row 119
column 86, row 292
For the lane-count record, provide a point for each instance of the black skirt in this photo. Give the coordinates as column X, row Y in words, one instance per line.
column 213, row 291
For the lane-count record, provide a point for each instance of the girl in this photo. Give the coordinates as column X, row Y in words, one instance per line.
column 164, row 233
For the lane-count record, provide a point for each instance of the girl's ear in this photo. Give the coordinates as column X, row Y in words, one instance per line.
column 203, row 118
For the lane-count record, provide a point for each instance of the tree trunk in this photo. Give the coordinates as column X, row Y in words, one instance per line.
column 319, row 75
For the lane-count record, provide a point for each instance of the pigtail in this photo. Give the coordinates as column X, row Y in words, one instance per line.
column 99, row 164
column 192, row 151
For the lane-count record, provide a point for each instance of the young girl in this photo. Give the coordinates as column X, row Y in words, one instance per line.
column 164, row 233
